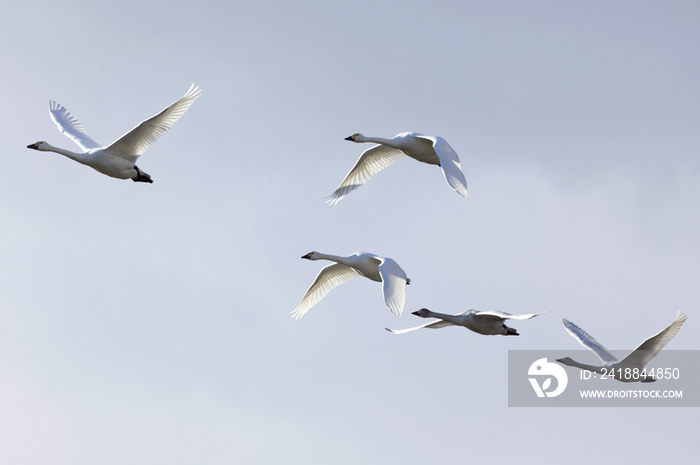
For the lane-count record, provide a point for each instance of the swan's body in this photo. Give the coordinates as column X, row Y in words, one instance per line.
column 426, row 149
column 638, row 358
column 117, row 159
column 489, row 323
column 384, row 270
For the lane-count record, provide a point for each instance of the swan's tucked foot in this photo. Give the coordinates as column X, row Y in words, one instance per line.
column 408, row 281
column 511, row 332
column 141, row 177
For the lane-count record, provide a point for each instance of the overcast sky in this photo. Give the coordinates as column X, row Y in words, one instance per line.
column 149, row 324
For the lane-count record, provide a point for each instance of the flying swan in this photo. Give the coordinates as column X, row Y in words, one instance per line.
column 118, row 159
column 489, row 323
column 638, row 358
column 426, row 149
column 382, row 269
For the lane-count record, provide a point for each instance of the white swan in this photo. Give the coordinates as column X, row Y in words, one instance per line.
column 489, row 323
column 638, row 358
column 117, row 159
column 382, row 269
column 427, row 149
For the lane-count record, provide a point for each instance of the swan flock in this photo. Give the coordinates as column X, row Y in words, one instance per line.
column 118, row 160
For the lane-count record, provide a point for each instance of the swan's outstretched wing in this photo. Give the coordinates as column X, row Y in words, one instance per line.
column 132, row 144
column 588, row 342
column 70, row 126
column 394, row 281
column 371, row 162
column 328, row 278
column 507, row 316
column 449, row 162
column 648, row 349
column 433, row 325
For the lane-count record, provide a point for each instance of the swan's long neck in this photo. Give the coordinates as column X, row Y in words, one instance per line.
column 79, row 157
column 583, row 366
column 379, row 140
column 333, row 258
column 451, row 318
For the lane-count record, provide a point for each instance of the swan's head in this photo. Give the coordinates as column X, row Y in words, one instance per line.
column 41, row 145
column 357, row 137
column 311, row 256
column 423, row 313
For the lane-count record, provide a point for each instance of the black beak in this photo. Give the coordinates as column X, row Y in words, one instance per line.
column 349, row 138
column 33, row 146
column 306, row 256
column 415, row 313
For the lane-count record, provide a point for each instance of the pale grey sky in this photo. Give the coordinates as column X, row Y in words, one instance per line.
column 150, row 323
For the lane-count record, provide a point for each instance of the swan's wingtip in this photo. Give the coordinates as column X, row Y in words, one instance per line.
column 194, row 91
column 396, row 311
column 681, row 317
column 333, row 199
column 296, row 314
